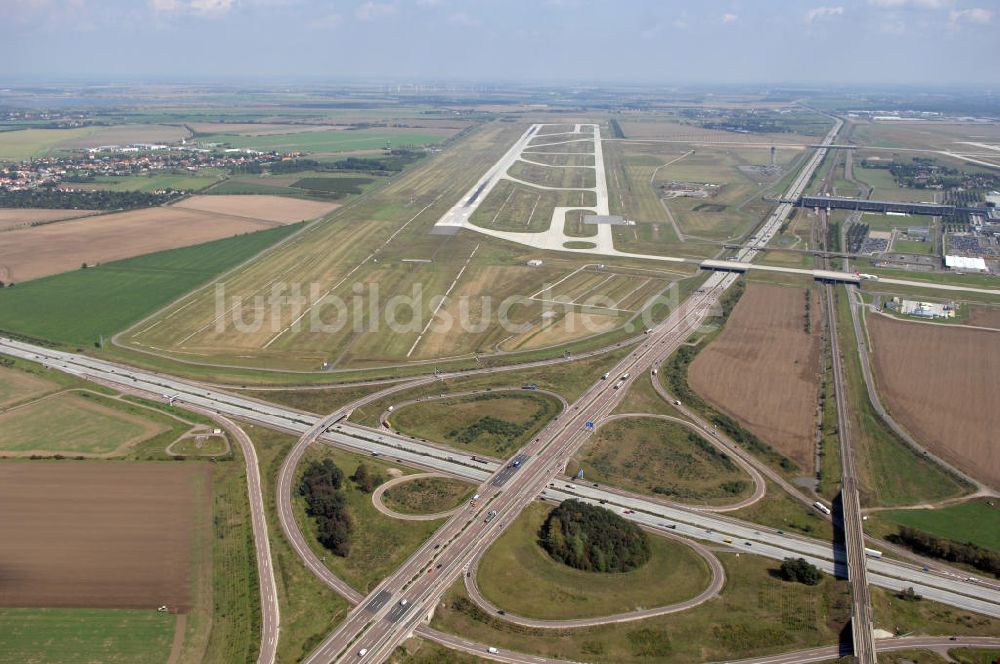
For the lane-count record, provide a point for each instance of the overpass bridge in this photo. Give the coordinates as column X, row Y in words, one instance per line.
column 864, row 205
column 828, row 276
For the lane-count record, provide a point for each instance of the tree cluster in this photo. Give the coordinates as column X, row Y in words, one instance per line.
column 936, row 547
column 593, row 539
column 320, row 486
column 365, row 479
column 799, row 570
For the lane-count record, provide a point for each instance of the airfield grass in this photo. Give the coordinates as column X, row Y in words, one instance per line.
column 512, row 206
column 309, row 609
column 325, row 141
column 469, row 423
column 427, row 495
column 891, row 472
column 79, row 307
column 70, row 636
column 519, row 576
column 975, row 521
column 73, row 423
column 378, row 543
column 656, row 457
column 755, row 615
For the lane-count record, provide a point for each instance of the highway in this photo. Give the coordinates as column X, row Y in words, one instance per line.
column 381, row 620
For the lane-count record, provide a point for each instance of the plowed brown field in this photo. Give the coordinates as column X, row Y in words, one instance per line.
column 763, row 370
column 43, row 250
column 940, row 383
column 100, row 534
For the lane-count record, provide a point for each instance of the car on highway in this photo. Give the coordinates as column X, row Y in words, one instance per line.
column 403, row 602
column 362, row 652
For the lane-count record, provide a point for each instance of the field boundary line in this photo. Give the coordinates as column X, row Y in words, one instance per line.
column 551, row 286
column 633, row 291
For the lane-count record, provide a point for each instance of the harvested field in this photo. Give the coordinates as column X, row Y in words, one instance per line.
column 267, row 208
column 18, row 386
column 940, row 383
column 984, row 317
column 763, row 369
column 125, row 134
column 24, row 217
column 100, row 534
column 53, row 248
column 72, row 424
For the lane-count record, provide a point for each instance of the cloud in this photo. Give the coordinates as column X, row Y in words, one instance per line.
column 193, row 6
column 974, row 15
column 729, row 18
column 821, row 13
column 465, row 20
column 372, row 11
column 899, row 4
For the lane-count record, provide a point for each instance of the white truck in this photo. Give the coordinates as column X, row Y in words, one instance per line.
column 821, row 507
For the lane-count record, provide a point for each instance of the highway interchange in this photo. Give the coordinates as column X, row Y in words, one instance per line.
column 381, row 620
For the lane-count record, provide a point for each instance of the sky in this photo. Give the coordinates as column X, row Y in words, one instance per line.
column 935, row 43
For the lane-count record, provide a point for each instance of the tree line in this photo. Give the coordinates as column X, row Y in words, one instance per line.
column 593, row 539
column 927, row 544
column 84, row 200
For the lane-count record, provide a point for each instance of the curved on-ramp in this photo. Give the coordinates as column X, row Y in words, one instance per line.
column 715, row 586
column 384, row 509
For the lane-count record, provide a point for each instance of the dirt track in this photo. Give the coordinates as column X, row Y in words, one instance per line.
column 94, row 534
column 939, row 382
column 763, row 370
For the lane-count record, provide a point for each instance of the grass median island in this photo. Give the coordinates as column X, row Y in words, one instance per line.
column 496, row 423
column 377, row 544
column 79, row 307
column 653, row 456
column 518, row 575
column 427, row 495
column 754, row 616
column 69, row 636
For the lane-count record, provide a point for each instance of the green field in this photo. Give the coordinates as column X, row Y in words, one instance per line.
column 519, row 576
column 913, row 247
column 330, row 185
column 72, row 636
column 153, row 181
column 493, row 423
column 427, row 495
column 333, row 140
column 975, row 521
column 28, row 143
column 80, row 306
column 71, row 423
column 379, row 543
column 656, row 457
column 211, row 446
column 779, row 510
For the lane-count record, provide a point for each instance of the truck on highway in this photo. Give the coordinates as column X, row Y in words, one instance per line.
column 618, row 385
column 868, row 277
column 605, row 376
column 653, row 372
column 490, row 516
column 625, row 376
column 493, row 651
column 873, row 553
column 821, row 507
